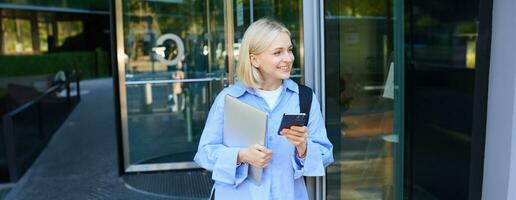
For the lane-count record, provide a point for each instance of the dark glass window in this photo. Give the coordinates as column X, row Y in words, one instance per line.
column 441, row 38
column 38, row 48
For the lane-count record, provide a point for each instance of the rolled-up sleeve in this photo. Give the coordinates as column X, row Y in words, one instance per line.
column 319, row 152
column 213, row 155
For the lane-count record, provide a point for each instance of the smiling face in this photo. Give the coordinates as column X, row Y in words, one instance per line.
column 275, row 63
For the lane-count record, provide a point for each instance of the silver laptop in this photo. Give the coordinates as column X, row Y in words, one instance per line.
column 244, row 125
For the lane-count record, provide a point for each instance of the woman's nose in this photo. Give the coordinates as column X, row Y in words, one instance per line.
column 288, row 57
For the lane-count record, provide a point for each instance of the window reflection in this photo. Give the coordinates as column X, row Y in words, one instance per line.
column 40, row 44
column 53, row 41
column 68, row 29
column 198, row 27
column 172, row 42
column 359, row 104
column 441, row 64
column 17, row 36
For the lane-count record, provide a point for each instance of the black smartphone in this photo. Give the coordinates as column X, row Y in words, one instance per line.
column 292, row 119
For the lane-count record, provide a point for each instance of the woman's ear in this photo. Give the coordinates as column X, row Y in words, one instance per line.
column 254, row 60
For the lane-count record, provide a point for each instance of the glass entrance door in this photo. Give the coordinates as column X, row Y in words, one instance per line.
column 173, row 64
column 364, row 107
column 174, row 57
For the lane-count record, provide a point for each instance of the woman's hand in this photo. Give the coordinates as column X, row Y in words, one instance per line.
column 256, row 155
column 297, row 136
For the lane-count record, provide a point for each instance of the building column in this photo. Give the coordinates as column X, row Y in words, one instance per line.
column 500, row 149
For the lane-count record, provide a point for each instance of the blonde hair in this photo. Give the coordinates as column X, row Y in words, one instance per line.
column 257, row 38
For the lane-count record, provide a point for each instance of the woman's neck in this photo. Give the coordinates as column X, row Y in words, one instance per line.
column 271, row 85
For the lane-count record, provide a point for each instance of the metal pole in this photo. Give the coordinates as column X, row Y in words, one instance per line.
column 188, row 116
column 229, row 38
column 77, row 82
column 251, row 11
column 208, row 26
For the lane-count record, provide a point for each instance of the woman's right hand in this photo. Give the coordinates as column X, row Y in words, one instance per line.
column 256, row 155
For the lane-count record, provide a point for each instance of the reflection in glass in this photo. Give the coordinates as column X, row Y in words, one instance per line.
column 17, row 36
column 175, row 67
column 67, row 29
column 35, row 42
column 359, row 99
column 441, row 64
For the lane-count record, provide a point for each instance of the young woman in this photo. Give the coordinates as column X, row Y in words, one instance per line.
column 263, row 72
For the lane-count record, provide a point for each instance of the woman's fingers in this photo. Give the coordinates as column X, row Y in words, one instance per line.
column 259, row 147
column 301, row 129
column 262, row 149
column 294, row 137
column 260, row 163
column 294, row 133
column 260, row 155
column 295, row 140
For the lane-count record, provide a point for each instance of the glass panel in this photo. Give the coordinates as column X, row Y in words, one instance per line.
column 17, row 36
column 441, row 62
column 166, row 130
column 174, row 49
column 360, row 99
column 29, row 43
column 43, row 30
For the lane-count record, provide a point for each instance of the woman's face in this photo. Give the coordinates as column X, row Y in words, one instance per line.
column 275, row 63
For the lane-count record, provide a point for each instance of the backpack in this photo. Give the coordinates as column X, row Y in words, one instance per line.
column 305, row 101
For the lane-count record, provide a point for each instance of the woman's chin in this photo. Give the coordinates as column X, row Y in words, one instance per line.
column 285, row 76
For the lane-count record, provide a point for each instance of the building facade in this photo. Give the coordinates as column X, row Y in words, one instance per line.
column 418, row 96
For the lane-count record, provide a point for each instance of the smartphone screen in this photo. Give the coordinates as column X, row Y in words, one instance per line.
column 292, row 119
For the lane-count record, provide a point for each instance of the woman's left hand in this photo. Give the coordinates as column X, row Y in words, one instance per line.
column 297, row 136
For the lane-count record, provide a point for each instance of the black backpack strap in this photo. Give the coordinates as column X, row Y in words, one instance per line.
column 305, row 101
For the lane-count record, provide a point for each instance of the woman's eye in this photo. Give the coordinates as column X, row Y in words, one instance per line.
column 277, row 53
column 290, row 50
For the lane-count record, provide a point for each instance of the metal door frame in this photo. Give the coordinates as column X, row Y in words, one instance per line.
column 313, row 53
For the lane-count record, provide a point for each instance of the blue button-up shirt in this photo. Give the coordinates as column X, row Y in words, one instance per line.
column 282, row 179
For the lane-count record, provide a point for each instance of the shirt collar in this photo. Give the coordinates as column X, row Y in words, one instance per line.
column 239, row 89
column 291, row 85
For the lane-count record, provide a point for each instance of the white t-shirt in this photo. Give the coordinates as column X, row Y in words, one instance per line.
column 270, row 96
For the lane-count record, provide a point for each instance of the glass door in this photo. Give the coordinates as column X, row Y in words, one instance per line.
column 364, row 108
column 172, row 63
column 174, row 57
